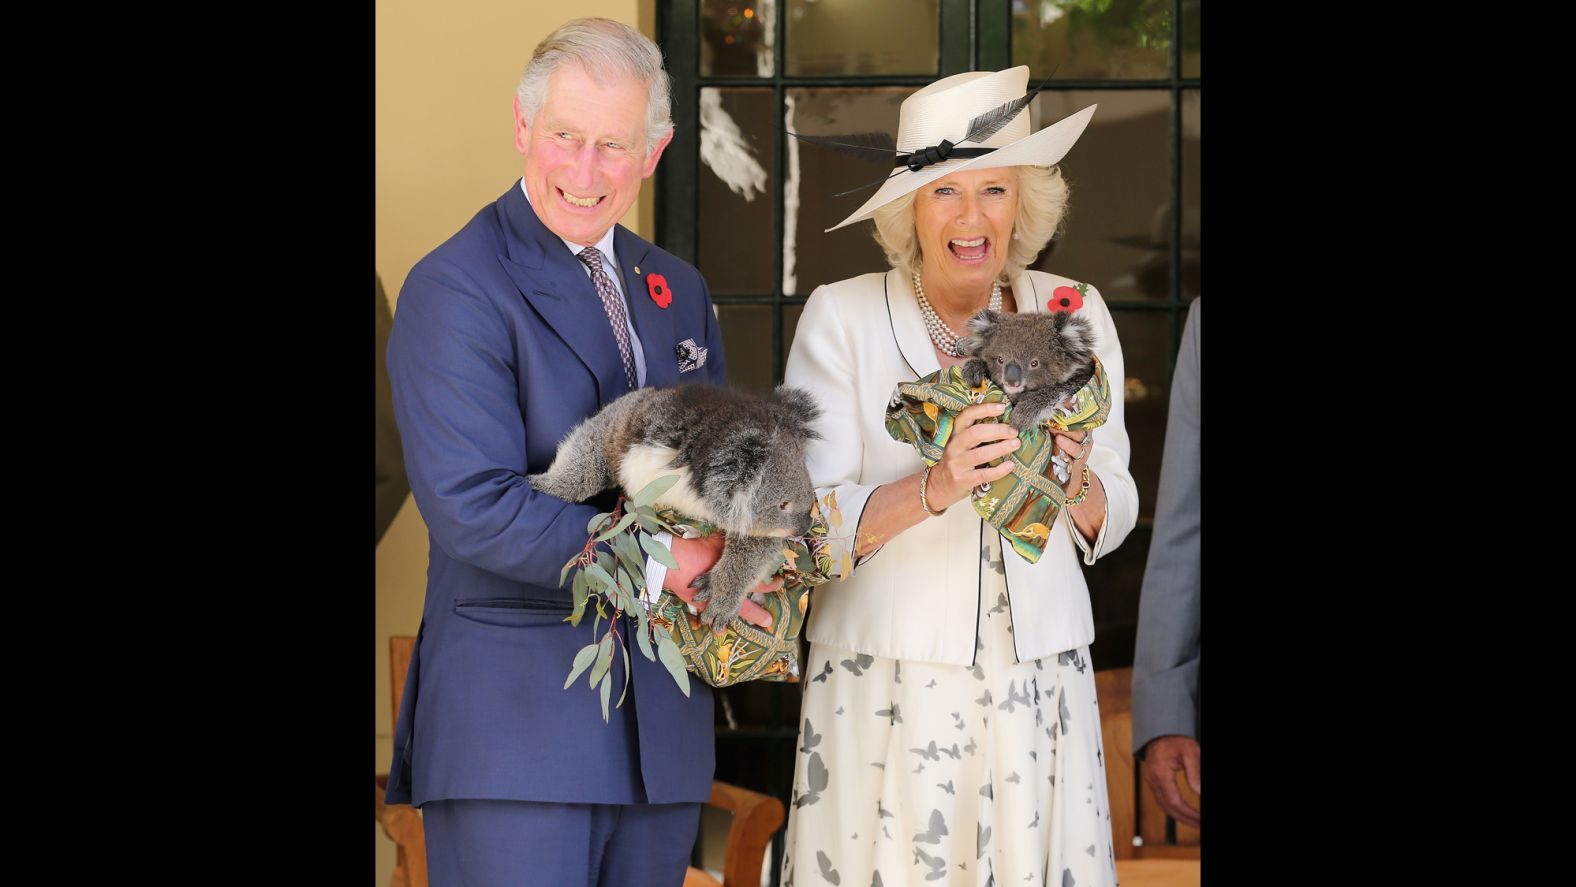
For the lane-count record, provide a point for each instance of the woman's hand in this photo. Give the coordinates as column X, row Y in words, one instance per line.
column 1076, row 446
column 973, row 444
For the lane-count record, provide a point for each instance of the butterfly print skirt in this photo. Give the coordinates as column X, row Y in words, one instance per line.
column 916, row 773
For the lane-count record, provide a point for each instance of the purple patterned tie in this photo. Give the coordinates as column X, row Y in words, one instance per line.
column 614, row 303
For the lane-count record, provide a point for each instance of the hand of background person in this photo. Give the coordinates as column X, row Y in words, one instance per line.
column 1163, row 757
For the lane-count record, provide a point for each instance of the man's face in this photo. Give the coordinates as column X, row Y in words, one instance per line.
column 585, row 153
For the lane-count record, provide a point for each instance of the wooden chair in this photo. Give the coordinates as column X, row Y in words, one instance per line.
column 1155, row 862
column 756, row 817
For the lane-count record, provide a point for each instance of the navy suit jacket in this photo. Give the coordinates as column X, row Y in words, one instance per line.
column 500, row 346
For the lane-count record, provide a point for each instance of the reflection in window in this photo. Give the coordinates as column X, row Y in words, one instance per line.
column 863, row 37
column 1119, row 176
column 1093, row 39
column 737, row 38
column 814, row 175
column 736, row 193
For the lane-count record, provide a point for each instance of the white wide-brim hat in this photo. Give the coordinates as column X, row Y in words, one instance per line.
column 943, row 111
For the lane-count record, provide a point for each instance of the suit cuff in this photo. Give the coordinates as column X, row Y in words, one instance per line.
column 1091, row 552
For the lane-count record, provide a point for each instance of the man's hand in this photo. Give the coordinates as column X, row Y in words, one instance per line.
column 696, row 556
column 1163, row 757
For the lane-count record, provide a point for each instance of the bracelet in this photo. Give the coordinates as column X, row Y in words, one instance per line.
column 1082, row 494
column 923, row 480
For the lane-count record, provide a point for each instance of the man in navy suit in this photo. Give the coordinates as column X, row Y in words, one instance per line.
column 540, row 311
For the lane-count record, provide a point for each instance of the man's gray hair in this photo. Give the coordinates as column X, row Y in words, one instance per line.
column 603, row 48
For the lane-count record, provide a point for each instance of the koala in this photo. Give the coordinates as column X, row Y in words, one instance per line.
column 741, row 465
column 1038, row 359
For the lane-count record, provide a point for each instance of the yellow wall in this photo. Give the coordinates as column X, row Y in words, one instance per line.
column 446, row 74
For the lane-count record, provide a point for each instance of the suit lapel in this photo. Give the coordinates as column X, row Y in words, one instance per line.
column 1028, row 295
column 654, row 325
column 908, row 326
column 558, row 288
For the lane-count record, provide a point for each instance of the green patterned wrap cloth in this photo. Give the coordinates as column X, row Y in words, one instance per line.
column 745, row 652
column 1023, row 504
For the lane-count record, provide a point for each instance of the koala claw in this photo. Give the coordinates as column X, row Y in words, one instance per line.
column 702, row 586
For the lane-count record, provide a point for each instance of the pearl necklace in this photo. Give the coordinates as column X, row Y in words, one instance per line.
column 941, row 334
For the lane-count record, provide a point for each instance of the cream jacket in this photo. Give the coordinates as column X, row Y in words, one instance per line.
column 917, row 597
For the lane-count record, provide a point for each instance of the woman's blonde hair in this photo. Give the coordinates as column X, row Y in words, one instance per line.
column 1042, row 204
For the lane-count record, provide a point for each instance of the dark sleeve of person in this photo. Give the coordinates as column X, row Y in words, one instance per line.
column 1166, row 659
column 390, row 484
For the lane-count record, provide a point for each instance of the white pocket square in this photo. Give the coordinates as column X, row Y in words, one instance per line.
column 691, row 356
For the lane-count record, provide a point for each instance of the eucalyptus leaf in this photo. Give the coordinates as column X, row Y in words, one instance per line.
column 607, row 690
column 659, row 552
column 629, row 554
column 564, row 573
column 673, row 661
column 580, row 591
column 625, row 691
column 604, row 658
column 628, row 605
column 600, row 575
column 598, row 522
column 625, row 521
column 643, row 636
column 583, row 661
column 655, row 489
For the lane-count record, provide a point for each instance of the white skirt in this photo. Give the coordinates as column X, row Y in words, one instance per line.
column 914, row 772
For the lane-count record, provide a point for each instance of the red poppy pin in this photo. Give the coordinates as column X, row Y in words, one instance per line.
column 657, row 286
column 1066, row 298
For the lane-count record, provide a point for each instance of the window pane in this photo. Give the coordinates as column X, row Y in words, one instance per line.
column 863, row 37
column 1191, row 230
column 1119, row 176
column 737, row 37
column 1079, row 40
column 814, row 174
column 790, row 324
column 1146, row 358
column 745, row 329
column 1192, row 56
column 737, row 154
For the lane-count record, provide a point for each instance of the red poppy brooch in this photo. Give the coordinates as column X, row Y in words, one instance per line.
column 657, row 286
column 1067, row 298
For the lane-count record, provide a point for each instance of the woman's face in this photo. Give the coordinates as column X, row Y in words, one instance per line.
column 964, row 224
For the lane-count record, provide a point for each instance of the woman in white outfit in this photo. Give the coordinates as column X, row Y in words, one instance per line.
column 950, row 732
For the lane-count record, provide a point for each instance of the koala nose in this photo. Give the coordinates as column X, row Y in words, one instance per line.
column 1013, row 373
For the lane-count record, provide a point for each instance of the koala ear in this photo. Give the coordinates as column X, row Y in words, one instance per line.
column 1076, row 333
column 983, row 321
column 798, row 409
column 980, row 327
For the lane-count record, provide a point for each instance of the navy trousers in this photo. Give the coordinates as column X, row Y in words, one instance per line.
column 488, row 843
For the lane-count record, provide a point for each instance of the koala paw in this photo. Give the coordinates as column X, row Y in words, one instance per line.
column 1023, row 420
column 974, row 372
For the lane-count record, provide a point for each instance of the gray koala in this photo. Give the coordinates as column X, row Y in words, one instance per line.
column 741, row 465
column 1038, row 359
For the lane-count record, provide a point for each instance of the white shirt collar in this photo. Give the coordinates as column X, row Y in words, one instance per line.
column 604, row 246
